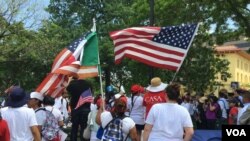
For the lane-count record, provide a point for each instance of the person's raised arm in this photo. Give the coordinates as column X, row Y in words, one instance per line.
column 99, row 112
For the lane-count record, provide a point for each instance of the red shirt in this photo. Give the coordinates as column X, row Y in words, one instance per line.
column 233, row 113
column 4, row 131
column 151, row 98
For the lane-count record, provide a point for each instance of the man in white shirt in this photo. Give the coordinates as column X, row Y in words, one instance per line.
column 62, row 104
column 224, row 106
column 21, row 119
column 35, row 102
column 246, row 101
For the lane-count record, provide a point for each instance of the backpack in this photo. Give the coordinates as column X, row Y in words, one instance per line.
column 113, row 130
column 50, row 128
column 218, row 112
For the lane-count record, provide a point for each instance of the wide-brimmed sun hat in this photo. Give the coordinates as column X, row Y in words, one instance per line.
column 156, row 85
column 202, row 99
column 37, row 95
column 17, row 97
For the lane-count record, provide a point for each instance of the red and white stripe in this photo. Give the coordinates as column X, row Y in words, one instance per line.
column 136, row 43
column 69, row 70
column 87, row 72
column 62, row 59
column 64, row 66
column 51, row 84
column 81, row 101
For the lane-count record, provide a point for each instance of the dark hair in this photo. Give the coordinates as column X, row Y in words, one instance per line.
column 246, row 95
column 97, row 97
column 120, row 107
column 223, row 93
column 214, row 98
column 48, row 100
column 173, row 91
column 230, row 94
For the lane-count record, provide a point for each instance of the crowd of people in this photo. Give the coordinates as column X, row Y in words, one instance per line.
column 157, row 112
column 24, row 116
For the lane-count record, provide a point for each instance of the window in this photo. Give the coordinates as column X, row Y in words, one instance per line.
column 238, row 63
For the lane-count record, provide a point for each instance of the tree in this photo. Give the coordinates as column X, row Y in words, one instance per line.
column 25, row 55
column 77, row 17
column 70, row 19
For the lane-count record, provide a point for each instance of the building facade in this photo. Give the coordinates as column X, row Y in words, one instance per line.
column 239, row 66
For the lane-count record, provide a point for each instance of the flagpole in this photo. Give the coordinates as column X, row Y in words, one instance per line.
column 187, row 51
column 99, row 66
column 151, row 23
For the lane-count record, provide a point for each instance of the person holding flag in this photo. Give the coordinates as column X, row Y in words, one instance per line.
column 81, row 98
column 80, row 60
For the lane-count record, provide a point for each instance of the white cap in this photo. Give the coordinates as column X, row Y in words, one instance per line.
column 122, row 90
column 117, row 96
column 36, row 95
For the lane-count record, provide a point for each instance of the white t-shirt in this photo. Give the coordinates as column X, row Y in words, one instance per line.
column 19, row 121
column 40, row 116
column 186, row 105
column 93, row 107
column 61, row 105
column 241, row 111
column 168, row 120
column 127, row 123
column 137, row 113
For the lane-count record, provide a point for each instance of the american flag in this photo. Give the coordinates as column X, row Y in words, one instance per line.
column 162, row 47
column 65, row 65
column 85, row 97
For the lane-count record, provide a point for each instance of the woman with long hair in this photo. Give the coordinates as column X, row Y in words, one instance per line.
column 211, row 110
column 105, row 118
column 136, row 108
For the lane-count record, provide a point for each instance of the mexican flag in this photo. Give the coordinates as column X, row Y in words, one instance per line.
column 89, row 58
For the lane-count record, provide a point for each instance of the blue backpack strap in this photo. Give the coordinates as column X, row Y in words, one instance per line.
column 224, row 104
column 41, row 108
column 114, row 118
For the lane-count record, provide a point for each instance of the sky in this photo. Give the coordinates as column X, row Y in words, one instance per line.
column 36, row 7
column 30, row 12
column 40, row 13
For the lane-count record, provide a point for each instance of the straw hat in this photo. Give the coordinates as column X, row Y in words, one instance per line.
column 156, row 85
column 203, row 99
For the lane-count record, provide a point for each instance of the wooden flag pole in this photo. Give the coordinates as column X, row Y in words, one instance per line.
column 99, row 66
column 187, row 52
column 151, row 23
